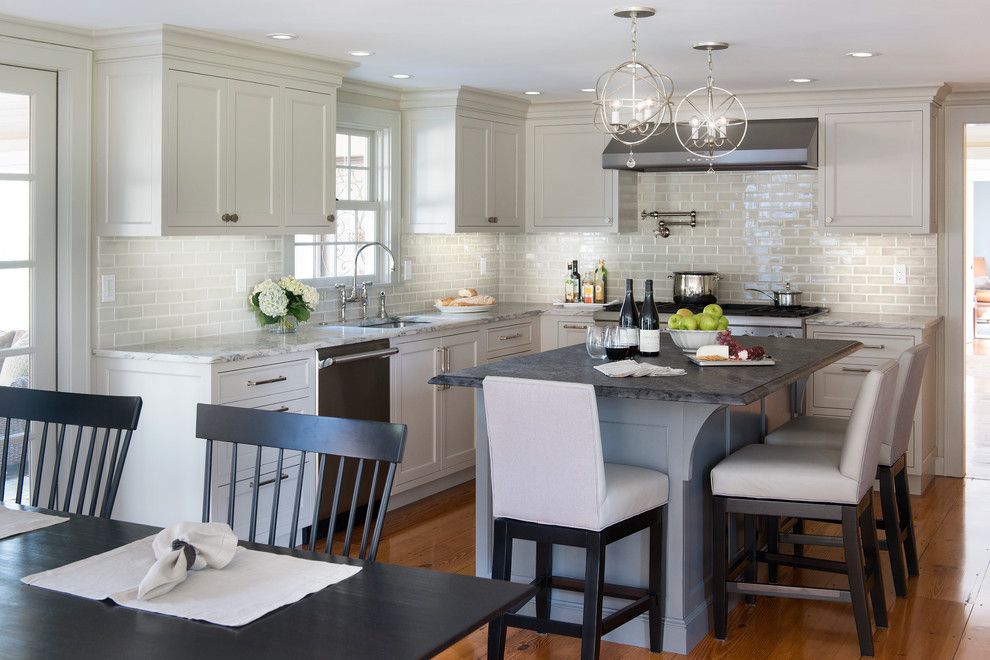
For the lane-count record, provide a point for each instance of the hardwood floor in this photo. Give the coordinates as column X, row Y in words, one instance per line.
column 977, row 409
column 946, row 616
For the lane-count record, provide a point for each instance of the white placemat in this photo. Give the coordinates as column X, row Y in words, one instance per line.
column 252, row 585
column 15, row 521
column 633, row 369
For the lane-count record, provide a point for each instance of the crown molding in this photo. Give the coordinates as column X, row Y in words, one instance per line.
column 968, row 94
column 376, row 90
column 469, row 98
column 47, row 33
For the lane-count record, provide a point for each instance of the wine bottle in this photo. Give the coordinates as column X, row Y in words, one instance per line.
column 576, row 276
column 569, row 296
column 599, row 283
column 629, row 321
column 649, row 325
column 588, row 288
column 604, row 282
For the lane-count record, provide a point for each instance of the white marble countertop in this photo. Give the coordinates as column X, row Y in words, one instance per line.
column 893, row 321
column 309, row 337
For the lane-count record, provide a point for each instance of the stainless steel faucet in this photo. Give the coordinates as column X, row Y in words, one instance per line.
column 363, row 296
column 342, row 305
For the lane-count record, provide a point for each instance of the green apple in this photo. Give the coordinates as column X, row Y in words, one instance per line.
column 689, row 323
column 685, row 312
column 723, row 323
column 713, row 310
column 707, row 322
column 674, row 322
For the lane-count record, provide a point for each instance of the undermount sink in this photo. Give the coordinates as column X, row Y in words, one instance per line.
column 375, row 323
column 394, row 324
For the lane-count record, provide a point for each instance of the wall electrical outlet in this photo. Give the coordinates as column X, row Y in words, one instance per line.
column 482, row 265
column 900, row 274
column 240, row 280
column 406, row 270
column 108, row 288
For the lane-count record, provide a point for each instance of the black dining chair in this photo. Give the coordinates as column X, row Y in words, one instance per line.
column 347, row 451
column 78, row 443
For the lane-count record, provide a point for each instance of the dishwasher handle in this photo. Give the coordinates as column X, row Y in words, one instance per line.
column 357, row 357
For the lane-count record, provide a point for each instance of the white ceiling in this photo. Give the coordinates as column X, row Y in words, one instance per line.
column 559, row 46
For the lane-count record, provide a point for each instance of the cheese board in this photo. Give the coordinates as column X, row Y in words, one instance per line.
column 765, row 362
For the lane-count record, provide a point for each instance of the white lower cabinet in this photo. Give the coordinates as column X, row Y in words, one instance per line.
column 558, row 330
column 163, row 475
column 832, row 391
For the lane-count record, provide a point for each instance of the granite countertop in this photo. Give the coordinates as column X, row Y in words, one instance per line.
column 893, row 321
column 309, row 337
column 796, row 359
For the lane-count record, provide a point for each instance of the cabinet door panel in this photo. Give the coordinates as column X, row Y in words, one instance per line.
column 570, row 333
column 253, row 188
column 473, row 175
column 417, row 407
column 309, row 165
column 458, row 404
column 195, row 171
column 570, row 189
column 507, row 174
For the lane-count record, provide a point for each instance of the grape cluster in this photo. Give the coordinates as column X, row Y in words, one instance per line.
column 737, row 350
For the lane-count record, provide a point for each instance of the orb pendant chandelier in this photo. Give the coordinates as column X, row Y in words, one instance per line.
column 633, row 98
column 710, row 121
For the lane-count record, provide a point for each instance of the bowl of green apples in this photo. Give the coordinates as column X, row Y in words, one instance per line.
column 691, row 331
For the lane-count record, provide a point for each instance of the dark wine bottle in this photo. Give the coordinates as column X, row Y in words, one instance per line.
column 576, row 276
column 649, row 325
column 629, row 321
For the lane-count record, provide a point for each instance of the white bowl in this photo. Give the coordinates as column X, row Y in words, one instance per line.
column 690, row 341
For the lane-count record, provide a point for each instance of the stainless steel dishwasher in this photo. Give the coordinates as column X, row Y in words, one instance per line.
column 354, row 383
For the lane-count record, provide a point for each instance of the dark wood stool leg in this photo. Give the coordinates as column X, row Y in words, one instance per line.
column 656, row 584
column 892, row 530
column 720, row 558
column 907, row 521
column 594, row 587
column 501, row 570
column 852, row 546
column 798, row 529
column 871, row 552
column 544, row 571
column 750, row 573
column 772, row 527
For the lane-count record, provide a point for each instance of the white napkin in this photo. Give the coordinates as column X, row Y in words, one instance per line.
column 15, row 521
column 186, row 546
column 631, row 368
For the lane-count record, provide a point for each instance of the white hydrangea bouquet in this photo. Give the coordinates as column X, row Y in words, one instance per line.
column 283, row 303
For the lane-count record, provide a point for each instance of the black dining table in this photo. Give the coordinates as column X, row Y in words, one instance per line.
column 384, row 611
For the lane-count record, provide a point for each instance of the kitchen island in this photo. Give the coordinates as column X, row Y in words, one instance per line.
column 680, row 425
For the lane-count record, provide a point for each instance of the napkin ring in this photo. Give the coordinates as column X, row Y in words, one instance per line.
column 188, row 550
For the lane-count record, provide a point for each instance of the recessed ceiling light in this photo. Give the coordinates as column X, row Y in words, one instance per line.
column 360, row 53
column 533, row 93
column 587, row 89
column 282, row 36
column 800, row 81
column 862, row 54
column 401, row 76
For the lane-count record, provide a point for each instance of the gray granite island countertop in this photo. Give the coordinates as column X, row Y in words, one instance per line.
column 885, row 321
column 309, row 337
column 796, row 359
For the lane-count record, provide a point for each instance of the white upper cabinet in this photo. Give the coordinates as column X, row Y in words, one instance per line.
column 193, row 147
column 568, row 189
column 876, row 173
column 463, row 168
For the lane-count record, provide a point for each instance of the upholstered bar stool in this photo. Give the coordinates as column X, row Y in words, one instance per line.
column 895, row 500
column 808, row 483
column 551, row 485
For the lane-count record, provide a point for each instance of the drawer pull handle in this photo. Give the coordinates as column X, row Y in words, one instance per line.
column 515, row 335
column 571, row 326
column 856, row 370
column 268, row 482
column 282, row 409
column 267, row 381
column 875, row 347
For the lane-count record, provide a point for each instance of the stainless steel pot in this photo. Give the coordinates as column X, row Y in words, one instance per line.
column 694, row 287
column 785, row 298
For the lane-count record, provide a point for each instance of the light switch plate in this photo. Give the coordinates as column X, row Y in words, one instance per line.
column 482, row 265
column 900, row 274
column 108, row 288
column 240, row 280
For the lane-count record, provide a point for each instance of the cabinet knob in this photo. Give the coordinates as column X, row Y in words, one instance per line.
column 332, row 217
column 828, row 220
column 608, row 221
column 493, row 220
column 225, row 217
column 233, row 217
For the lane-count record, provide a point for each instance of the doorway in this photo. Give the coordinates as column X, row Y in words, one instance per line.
column 976, row 295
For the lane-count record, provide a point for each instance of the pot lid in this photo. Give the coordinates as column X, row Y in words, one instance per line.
column 787, row 289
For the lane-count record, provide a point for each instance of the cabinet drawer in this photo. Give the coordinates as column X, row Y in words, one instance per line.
column 254, row 382
column 570, row 333
column 836, row 386
column 289, row 479
column 508, row 339
column 882, row 347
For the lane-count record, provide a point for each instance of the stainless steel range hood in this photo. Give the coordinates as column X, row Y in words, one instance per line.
column 770, row 144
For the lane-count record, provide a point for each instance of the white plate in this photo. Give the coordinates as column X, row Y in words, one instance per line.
column 465, row 309
column 765, row 362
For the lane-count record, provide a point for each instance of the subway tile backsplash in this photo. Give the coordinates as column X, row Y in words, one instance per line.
column 757, row 229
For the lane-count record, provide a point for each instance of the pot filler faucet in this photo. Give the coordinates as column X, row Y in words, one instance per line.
column 363, row 296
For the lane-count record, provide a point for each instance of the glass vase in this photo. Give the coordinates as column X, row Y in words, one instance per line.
column 286, row 325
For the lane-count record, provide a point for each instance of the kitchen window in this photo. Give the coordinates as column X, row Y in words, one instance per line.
column 366, row 147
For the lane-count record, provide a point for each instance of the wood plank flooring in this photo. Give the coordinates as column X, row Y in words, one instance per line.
column 946, row 616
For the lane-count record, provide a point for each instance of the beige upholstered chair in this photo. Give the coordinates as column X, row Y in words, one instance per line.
column 808, row 482
column 895, row 500
column 551, row 485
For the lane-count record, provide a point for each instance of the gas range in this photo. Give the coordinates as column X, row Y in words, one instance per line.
column 744, row 318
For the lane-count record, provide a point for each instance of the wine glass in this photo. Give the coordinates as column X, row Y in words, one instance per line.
column 616, row 344
column 594, row 341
